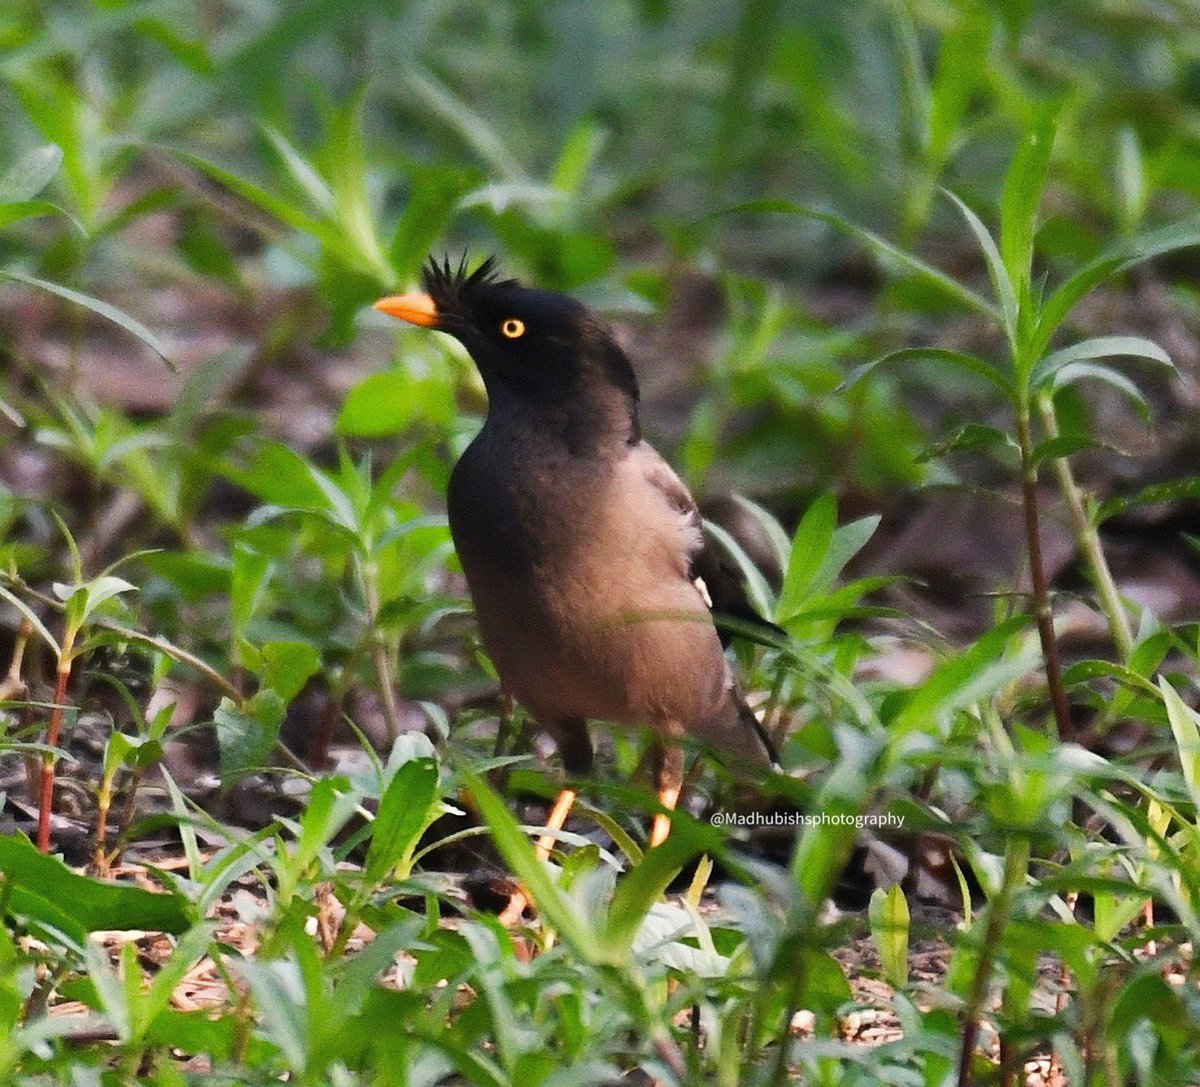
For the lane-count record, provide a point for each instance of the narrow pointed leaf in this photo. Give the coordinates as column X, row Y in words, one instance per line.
column 915, row 266
column 1002, row 283
column 118, row 317
column 960, row 359
column 1099, row 347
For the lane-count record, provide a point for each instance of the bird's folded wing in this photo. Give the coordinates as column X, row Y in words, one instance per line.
column 716, row 577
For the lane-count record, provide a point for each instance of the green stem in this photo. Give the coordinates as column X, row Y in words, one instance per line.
column 1043, row 613
column 383, row 671
column 1087, row 539
column 1016, row 864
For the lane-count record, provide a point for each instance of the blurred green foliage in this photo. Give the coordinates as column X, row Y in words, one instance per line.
column 755, row 188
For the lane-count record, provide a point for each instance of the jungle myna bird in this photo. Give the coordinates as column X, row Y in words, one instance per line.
column 581, row 547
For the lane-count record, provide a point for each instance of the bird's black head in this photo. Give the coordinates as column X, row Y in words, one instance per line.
column 535, row 349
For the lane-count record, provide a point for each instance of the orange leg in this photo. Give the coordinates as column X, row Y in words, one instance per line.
column 555, row 821
column 668, row 783
column 511, row 914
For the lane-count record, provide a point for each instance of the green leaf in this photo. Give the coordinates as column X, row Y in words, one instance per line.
column 248, row 580
column 810, row 545
column 933, row 276
column 970, row 363
column 967, row 438
column 889, row 921
column 646, row 882
column 157, row 997
column 848, row 540
column 390, row 402
column 1125, row 255
column 113, row 314
column 275, row 206
column 1061, row 445
column 961, row 67
column 978, row 672
column 1099, row 347
column 279, row 475
column 1020, row 199
column 434, row 193
column 26, row 209
column 1153, row 495
column 301, row 171
column 247, row 733
column 1000, row 275
column 30, row 174
column 1185, row 727
column 287, row 666
column 406, row 809
column 1080, row 371
column 1132, row 190
column 37, row 881
column 514, row 846
column 278, row 993
column 34, row 621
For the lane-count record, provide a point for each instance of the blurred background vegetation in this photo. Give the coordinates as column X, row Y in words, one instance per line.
column 222, row 482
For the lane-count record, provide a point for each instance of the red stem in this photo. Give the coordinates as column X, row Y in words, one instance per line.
column 46, row 803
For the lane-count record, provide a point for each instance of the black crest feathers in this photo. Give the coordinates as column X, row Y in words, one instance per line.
column 452, row 288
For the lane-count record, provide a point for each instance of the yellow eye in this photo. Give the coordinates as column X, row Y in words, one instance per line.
column 513, row 328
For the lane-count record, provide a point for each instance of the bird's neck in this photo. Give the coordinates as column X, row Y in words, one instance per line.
column 592, row 421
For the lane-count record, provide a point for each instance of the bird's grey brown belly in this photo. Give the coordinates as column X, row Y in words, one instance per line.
column 575, row 604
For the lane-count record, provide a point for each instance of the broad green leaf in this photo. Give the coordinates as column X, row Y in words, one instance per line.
column 434, row 192
column 810, row 545
column 96, row 905
column 248, row 580
column 406, row 809
column 288, row 666
column 1094, row 371
column 390, row 402
column 646, row 882
column 279, row 475
column 1061, row 445
column 247, row 733
column 1125, row 255
column 26, row 209
column 998, row 658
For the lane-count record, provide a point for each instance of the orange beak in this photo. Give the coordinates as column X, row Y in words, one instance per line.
column 416, row 308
